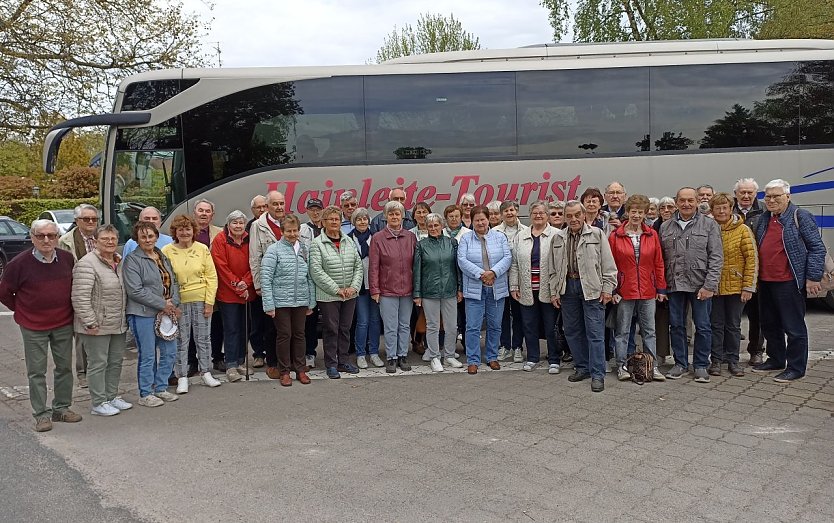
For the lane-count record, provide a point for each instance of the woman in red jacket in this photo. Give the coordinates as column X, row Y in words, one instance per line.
column 640, row 280
column 230, row 252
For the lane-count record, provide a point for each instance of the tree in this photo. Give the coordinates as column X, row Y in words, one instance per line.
column 434, row 34
column 800, row 19
column 62, row 58
column 74, row 182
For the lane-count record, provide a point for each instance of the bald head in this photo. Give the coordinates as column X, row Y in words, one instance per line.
column 275, row 203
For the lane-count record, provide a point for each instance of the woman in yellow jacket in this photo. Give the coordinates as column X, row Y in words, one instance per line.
column 735, row 288
column 197, row 278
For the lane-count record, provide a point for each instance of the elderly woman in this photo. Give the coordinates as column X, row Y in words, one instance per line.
column 530, row 260
column 98, row 299
column 594, row 215
column 556, row 215
column 336, row 269
column 421, row 210
column 289, row 296
column 467, row 203
column 437, row 290
column 665, row 210
column 454, row 227
column 392, row 284
column 652, row 213
column 418, row 319
column 495, row 218
column 735, row 287
column 368, row 322
column 197, row 277
column 484, row 259
column 641, row 281
column 152, row 290
column 230, row 252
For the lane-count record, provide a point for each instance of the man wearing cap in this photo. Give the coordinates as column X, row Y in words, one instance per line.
column 310, row 231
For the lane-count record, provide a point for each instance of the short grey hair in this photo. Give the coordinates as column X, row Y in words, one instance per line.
column 494, row 206
column 745, row 181
column 608, row 187
column 666, row 200
column 535, row 205
column 705, row 186
column 151, row 208
column 434, row 217
column 507, row 204
column 203, row 200
column 778, row 182
column 252, row 203
column 654, row 201
column 106, row 228
column 467, row 197
column 574, row 203
column 76, row 213
column 359, row 213
column 394, row 205
column 235, row 215
column 40, row 224
column 556, row 205
column 345, row 196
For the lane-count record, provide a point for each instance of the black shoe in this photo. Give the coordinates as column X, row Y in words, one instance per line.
column 578, row 376
column 787, row 376
column 735, row 369
column 769, row 366
column 567, row 357
column 391, row 366
column 220, row 366
column 756, row 359
column 597, row 385
column 714, row 368
column 402, row 362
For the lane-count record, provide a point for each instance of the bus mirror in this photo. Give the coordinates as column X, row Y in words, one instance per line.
column 50, row 148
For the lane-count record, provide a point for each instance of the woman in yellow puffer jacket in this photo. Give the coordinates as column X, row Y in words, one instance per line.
column 736, row 286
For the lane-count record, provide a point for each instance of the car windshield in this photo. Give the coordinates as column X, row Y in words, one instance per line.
column 63, row 216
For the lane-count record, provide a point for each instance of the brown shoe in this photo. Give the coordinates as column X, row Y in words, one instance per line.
column 286, row 379
column 494, row 365
column 303, row 377
column 756, row 359
column 418, row 347
column 735, row 369
column 272, row 373
column 472, row 369
column 67, row 416
column 43, row 424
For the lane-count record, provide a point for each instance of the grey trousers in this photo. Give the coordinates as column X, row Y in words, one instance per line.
column 193, row 319
column 437, row 311
column 104, row 369
column 80, row 357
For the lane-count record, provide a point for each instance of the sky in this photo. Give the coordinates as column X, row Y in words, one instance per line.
column 330, row 32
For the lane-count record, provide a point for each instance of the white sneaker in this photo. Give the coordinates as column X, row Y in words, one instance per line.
column 104, row 409
column 504, row 354
column 182, row 385
column 518, row 357
column 311, row 362
column 121, row 404
column 362, row 362
column 210, row 380
column 426, row 356
column 529, row 366
column 553, row 368
column 167, row 396
column 623, row 374
column 376, row 361
column 151, row 401
column 436, row 366
column 657, row 375
column 454, row 363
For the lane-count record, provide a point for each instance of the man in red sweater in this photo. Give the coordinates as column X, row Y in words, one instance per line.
column 37, row 286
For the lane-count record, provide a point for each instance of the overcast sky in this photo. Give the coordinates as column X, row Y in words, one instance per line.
column 330, row 32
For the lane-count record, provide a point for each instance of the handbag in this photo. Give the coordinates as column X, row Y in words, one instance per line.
column 827, row 281
column 166, row 327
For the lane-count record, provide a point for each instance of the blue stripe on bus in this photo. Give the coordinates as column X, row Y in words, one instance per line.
column 826, row 222
column 819, row 172
column 807, row 187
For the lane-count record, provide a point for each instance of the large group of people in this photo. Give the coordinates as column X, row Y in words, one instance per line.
column 585, row 275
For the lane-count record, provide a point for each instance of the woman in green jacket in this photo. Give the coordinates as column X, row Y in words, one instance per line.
column 437, row 290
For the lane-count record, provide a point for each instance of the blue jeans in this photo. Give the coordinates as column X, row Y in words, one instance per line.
column 368, row 325
column 535, row 318
column 701, row 311
column 584, row 322
column 782, row 313
column 624, row 333
column 511, row 325
column 234, row 336
column 152, row 373
column 396, row 322
column 476, row 310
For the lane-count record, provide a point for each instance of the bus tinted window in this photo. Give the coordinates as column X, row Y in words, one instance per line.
column 585, row 111
column 725, row 106
column 816, row 123
column 440, row 116
column 141, row 96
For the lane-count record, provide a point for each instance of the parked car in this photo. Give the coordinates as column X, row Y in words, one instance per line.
column 14, row 239
column 63, row 217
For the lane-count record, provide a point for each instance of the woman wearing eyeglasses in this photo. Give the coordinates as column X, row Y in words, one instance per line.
column 467, row 203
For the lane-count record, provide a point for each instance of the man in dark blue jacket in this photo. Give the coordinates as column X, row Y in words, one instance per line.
column 750, row 208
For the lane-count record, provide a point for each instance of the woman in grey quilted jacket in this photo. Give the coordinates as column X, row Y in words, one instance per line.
column 98, row 298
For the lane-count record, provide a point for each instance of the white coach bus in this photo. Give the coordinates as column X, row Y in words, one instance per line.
column 541, row 122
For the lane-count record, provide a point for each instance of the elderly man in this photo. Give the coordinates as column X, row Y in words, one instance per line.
column 309, row 232
column 615, row 197
column 790, row 242
column 258, row 206
column 380, row 221
column 749, row 207
column 511, row 332
column 203, row 215
column 265, row 231
column 693, row 256
column 149, row 214
column 705, row 194
column 256, row 315
column 348, row 204
column 581, row 278
column 78, row 242
column 37, row 287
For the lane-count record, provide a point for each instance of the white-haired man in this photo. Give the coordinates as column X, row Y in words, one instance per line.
column 749, row 207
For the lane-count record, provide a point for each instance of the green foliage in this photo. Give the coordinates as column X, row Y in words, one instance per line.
column 799, row 19
column 74, row 182
column 12, row 187
column 433, row 34
column 27, row 210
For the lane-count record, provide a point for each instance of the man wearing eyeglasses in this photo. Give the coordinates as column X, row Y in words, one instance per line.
column 380, row 222
column 348, row 204
column 78, row 242
column 37, row 287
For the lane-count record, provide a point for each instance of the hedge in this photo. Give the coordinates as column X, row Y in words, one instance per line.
column 27, row 210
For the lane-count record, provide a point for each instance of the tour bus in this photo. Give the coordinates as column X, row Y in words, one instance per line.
column 537, row 123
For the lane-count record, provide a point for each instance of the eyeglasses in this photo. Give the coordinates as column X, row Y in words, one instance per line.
column 555, row 213
column 108, row 240
column 87, row 219
column 42, row 237
column 467, row 205
column 538, row 213
column 773, row 196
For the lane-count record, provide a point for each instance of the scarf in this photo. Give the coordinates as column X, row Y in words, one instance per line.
column 362, row 240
